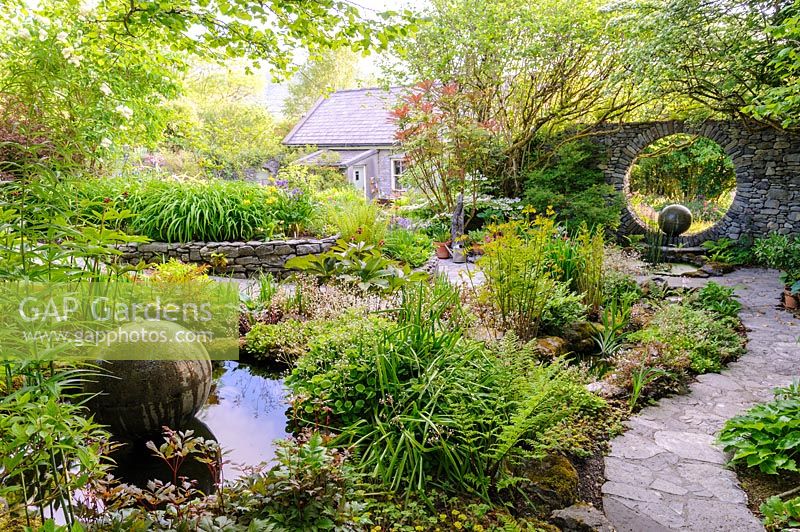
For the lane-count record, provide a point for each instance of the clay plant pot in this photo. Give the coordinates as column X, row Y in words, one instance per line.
column 442, row 250
column 790, row 301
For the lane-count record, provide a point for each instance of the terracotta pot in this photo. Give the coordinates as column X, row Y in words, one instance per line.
column 789, row 301
column 442, row 250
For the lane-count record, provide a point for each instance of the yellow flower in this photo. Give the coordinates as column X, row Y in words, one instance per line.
column 419, row 528
column 529, row 209
column 478, row 528
column 457, row 525
column 456, row 513
column 442, row 517
column 246, row 202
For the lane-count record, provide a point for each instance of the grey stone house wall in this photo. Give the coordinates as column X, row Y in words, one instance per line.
column 766, row 161
column 244, row 259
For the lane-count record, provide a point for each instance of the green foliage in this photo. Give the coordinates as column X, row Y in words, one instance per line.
column 779, row 514
column 293, row 210
column 705, row 339
column 423, row 407
column 201, row 210
column 768, row 435
column 717, row 299
column 683, row 168
column 572, row 184
column 49, row 446
column 526, row 72
column 355, row 264
column 359, row 221
column 78, row 80
column 781, row 252
column 310, row 488
column 286, row 341
column 562, row 309
column 411, row 247
column 728, row 251
column 518, row 279
column 614, row 319
column 741, row 64
column 237, row 136
column 640, row 379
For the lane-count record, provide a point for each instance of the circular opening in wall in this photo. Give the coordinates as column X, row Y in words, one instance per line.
column 682, row 169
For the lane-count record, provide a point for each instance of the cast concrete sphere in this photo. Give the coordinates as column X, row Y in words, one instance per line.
column 674, row 219
column 137, row 397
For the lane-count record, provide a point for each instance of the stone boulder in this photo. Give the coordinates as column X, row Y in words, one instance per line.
column 581, row 517
column 551, row 482
column 580, row 337
column 135, row 398
column 550, row 347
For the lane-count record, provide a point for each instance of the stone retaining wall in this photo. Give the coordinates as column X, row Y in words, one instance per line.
column 245, row 259
column 766, row 161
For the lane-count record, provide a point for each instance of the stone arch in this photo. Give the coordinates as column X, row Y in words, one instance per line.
column 766, row 163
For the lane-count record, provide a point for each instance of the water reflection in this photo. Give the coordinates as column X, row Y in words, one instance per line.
column 245, row 413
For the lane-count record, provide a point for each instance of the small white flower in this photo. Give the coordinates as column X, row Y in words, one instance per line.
column 125, row 111
column 67, row 51
column 106, row 90
column 25, row 33
column 62, row 36
column 105, row 143
column 75, row 60
column 43, row 34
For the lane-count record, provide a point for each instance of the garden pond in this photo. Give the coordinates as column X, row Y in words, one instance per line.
column 245, row 413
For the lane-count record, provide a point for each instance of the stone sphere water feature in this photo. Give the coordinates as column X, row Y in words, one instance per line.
column 674, row 220
column 135, row 398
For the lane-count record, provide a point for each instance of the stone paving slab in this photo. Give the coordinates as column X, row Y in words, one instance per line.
column 666, row 473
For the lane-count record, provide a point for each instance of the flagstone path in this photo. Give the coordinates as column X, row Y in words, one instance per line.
column 666, row 472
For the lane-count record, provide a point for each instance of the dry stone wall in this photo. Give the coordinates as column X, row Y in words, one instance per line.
column 244, row 259
column 766, row 161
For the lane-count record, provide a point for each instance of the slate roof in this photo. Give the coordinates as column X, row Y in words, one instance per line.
column 355, row 117
column 341, row 158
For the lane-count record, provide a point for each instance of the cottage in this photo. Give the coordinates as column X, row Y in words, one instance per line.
column 353, row 130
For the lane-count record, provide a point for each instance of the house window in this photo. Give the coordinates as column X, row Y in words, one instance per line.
column 398, row 169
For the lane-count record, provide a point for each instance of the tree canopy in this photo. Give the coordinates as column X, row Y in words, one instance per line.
column 80, row 80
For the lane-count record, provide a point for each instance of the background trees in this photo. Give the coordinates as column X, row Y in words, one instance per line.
column 720, row 57
column 537, row 68
column 78, row 81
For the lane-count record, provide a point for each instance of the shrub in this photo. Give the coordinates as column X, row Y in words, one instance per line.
column 573, row 185
column 422, row 406
column 309, row 488
column 768, row 435
column 411, row 247
column 214, row 210
column 293, row 210
column 518, row 280
column 708, row 340
column 562, row 309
